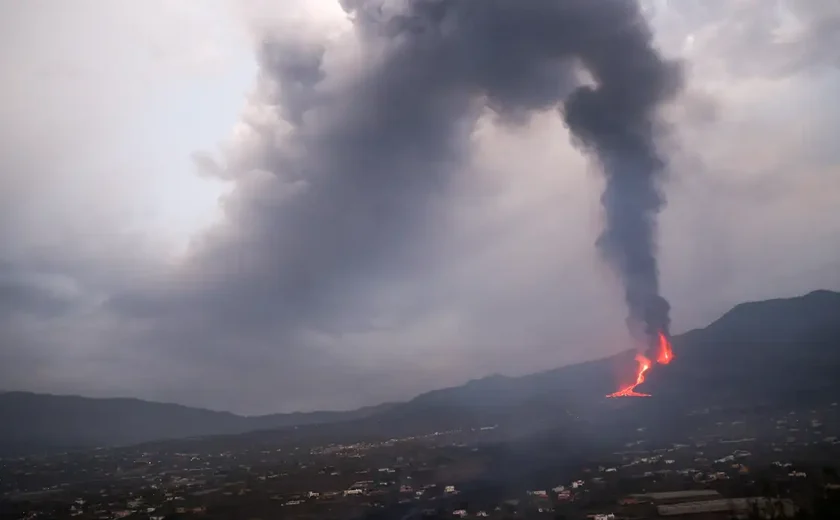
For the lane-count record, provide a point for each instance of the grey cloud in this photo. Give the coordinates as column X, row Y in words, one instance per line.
column 818, row 38
column 43, row 296
column 344, row 197
column 776, row 37
column 362, row 249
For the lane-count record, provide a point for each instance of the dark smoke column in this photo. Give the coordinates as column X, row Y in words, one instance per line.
column 616, row 121
column 522, row 57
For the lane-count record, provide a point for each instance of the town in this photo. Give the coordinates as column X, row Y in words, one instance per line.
column 783, row 463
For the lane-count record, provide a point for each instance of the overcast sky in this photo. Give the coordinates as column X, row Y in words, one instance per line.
column 214, row 205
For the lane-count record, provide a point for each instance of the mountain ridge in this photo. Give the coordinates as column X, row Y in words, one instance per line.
column 781, row 344
column 91, row 422
column 138, row 400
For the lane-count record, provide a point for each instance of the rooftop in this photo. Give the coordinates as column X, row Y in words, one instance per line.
column 740, row 505
column 676, row 495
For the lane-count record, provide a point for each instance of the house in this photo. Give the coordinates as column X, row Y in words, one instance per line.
column 766, row 508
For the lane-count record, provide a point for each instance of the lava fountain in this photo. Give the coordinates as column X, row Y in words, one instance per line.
column 664, row 355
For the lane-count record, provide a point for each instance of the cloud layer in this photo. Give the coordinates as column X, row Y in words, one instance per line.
column 406, row 209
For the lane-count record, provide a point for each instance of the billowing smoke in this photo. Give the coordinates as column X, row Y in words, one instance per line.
column 616, row 120
column 525, row 55
column 340, row 166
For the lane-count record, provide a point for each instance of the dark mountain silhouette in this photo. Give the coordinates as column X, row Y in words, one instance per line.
column 783, row 349
column 757, row 354
column 768, row 353
column 31, row 423
column 781, row 344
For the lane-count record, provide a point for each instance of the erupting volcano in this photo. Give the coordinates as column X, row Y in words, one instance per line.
column 664, row 355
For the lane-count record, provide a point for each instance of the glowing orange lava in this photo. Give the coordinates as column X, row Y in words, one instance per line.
column 664, row 354
column 630, row 391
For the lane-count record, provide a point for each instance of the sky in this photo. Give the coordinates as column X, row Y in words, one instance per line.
column 256, row 209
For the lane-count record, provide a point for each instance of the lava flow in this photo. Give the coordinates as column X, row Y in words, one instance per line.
column 630, row 391
column 664, row 355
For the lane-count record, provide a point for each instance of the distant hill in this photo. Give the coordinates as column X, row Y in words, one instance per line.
column 32, row 423
column 759, row 353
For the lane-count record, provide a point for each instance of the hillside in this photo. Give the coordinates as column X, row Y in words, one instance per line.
column 758, row 353
column 30, row 423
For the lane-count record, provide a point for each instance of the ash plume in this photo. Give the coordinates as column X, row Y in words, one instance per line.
column 522, row 55
column 616, row 120
column 340, row 199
